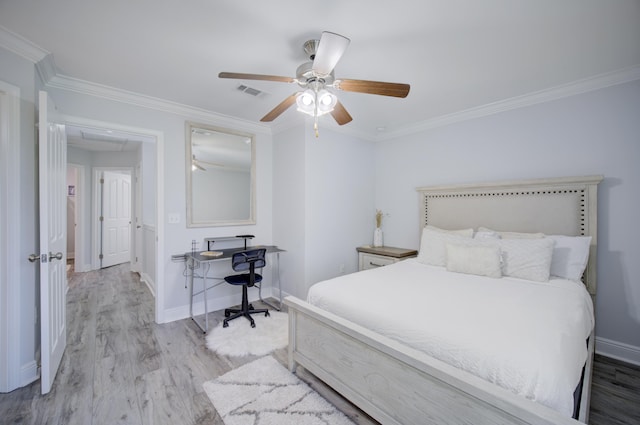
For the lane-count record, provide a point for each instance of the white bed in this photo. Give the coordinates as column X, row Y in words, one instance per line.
column 398, row 376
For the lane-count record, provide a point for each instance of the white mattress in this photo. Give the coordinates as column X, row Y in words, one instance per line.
column 528, row 337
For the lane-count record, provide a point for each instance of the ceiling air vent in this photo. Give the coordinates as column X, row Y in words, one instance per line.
column 249, row 90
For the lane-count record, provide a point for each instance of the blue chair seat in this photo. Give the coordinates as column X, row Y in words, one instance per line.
column 242, row 279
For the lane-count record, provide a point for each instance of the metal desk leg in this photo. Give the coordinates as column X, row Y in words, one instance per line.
column 279, row 287
column 204, row 292
column 191, row 265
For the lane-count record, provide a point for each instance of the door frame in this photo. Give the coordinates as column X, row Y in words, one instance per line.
column 79, row 257
column 96, row 208
column 136, row 262
column 10, row 265
column 158, row 138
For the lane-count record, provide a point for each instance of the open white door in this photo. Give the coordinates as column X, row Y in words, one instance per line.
column 53, row 241
column 116, row 218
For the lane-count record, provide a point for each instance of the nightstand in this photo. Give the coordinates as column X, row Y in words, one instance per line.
column 370, row 257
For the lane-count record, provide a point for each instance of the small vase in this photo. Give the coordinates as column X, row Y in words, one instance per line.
column 377, row 237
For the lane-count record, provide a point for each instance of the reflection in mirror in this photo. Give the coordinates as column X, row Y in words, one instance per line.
column 220, row 176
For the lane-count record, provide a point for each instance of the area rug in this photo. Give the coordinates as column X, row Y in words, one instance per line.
column 240, row 339
column 264, row 392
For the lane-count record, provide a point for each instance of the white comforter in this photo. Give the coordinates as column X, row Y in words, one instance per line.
column 528, row 337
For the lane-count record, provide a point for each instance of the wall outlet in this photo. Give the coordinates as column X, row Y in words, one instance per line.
column 174, row 218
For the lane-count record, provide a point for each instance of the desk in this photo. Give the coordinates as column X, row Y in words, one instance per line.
column 196, row 260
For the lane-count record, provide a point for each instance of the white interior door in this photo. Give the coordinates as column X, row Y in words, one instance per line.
column 116, row 213
column 53, row 244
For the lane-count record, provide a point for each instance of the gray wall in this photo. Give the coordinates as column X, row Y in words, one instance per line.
column 592, row 133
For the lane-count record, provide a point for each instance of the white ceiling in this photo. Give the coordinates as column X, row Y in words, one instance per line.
column 456, row 54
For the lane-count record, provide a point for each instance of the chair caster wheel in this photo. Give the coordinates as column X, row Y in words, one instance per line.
column 225, row 324
column 266, row 314
column 253, row 325
column 227, row 314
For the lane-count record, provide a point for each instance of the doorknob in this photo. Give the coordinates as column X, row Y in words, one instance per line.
column 57, row 256
column 34, row 257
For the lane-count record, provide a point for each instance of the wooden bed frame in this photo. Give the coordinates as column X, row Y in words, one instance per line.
column 396, row 384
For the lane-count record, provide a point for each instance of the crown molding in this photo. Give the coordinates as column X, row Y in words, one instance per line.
column 21, row 46
column 584, row 85
column 46, row 68
column 75, row 85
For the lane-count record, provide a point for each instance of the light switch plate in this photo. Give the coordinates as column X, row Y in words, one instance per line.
column 174, row 218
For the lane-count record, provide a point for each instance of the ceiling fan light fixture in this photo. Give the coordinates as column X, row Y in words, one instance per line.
column 315, row 103
column 326, row 101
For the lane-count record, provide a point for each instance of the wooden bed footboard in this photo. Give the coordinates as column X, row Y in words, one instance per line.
column 396, row 384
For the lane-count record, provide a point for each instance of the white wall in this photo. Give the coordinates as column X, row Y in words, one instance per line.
column 323, row 187
column 289, row 179
column 340, row 208
column 593, row 133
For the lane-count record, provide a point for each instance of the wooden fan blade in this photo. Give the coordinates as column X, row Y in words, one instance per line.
column 340, row 114
column 240, row 76
column 331, row 48
column 373, row 87
column 283, row 106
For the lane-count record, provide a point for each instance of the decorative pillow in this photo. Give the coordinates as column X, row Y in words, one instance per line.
column 467, row 233
column 432, row 245
column 512, row 235
column 527, row 258
column 474, row 258
column 570, row 256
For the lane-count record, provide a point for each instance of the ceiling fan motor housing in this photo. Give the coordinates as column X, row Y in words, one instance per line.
column 305, row 75
column 310, row 48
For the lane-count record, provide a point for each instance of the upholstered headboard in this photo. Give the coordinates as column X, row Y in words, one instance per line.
column 559, row 206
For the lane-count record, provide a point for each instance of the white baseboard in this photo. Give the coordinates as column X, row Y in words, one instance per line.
column 29, row 373
column 82, row 269
column 618, row 350
column 144, row 277
column 213, row 304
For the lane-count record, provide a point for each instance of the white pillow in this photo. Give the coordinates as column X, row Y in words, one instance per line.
column 512, row 235
column 570, row 256
column 467, row 233
column 432, row 245
column 474, row 258
column 484, row 235
column 527, row 258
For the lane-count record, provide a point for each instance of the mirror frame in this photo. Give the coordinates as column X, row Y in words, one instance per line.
column 189, row 155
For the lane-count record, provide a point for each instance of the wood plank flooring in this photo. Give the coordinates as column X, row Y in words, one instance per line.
column 122, row 368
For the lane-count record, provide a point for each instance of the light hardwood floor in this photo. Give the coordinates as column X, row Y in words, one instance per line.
column 122, row 368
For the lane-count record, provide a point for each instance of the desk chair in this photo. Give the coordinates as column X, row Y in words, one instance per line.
column 241, row 262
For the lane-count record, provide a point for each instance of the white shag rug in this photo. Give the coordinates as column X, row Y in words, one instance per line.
column 264, row 392
column 240, row 339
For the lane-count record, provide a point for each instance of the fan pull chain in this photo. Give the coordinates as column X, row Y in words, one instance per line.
column 315, row 114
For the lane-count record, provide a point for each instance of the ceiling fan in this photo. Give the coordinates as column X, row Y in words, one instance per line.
column 316, row 76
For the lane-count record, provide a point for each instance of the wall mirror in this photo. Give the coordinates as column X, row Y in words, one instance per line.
column 220, row 176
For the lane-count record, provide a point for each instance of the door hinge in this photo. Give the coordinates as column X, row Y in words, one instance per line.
column 101, row 256
column 101, row 181
column 101, row 218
